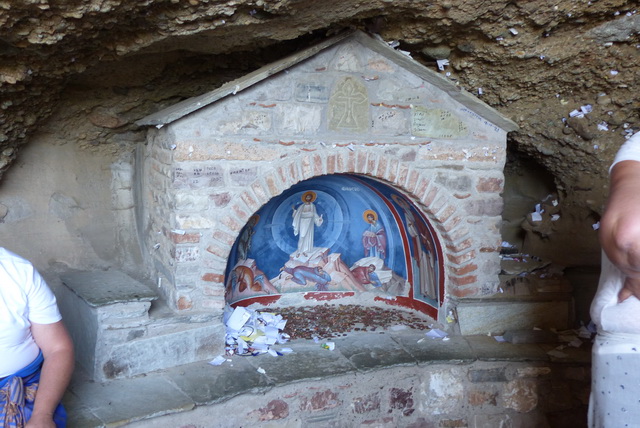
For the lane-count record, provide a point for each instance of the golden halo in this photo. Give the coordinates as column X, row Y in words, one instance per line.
column 308, row 192
column 366, row 214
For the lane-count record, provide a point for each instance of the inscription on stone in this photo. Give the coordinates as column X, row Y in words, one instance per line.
column 390, row 121
column 197, row 177
column 436, row 123
column 349, row 106
column 312, row 93
column 243, row 176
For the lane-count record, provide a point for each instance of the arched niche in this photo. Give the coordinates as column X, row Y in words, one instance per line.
column 337, row 236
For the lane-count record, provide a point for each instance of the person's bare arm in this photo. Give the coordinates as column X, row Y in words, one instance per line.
column 620, row 225
column 57, row 350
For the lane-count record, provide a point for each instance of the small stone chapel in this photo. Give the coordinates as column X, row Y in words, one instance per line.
column 345, row 173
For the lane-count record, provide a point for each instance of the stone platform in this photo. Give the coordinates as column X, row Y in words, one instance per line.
column 121, row 329
column 396, row 378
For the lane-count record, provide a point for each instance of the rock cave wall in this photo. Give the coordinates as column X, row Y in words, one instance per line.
column 74, row 78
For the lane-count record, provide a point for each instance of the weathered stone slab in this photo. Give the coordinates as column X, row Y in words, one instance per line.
column 349, row 106
column 107, row 287
column 483, row 316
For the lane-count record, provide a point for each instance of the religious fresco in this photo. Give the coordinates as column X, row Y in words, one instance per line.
column 336, row 233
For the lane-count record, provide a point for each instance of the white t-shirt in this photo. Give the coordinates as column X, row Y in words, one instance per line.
column 24, row 298
column 606, row 312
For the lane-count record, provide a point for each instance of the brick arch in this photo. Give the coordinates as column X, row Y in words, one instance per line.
column 439, row 206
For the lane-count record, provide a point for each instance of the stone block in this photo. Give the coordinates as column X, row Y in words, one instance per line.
column 497, row 315
column 99, row 308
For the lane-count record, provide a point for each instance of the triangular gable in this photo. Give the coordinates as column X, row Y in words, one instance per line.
column 190, row 105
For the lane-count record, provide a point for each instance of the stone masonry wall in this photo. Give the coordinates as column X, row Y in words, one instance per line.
column 208, row 172
column 478, row 395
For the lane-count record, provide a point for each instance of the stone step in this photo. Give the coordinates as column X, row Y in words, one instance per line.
column 121, row 328
column 497, row 314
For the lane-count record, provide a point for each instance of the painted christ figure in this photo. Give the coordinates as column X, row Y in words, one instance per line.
column 305, row 218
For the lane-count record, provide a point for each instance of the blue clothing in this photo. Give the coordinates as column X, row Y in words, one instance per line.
column 18, row 393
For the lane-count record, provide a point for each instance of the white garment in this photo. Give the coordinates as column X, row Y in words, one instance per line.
column 25, row 298
column 615, row 372
column 304, row 218
column 606, row 312
column 615, row 390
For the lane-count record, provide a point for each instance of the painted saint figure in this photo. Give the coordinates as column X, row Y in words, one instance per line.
column 244, row 242
column 304, row 219
column 300, row 275
column 366, row 275
column 374, row 239
column 424, row 259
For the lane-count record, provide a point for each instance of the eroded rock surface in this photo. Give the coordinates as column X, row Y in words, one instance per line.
column 83, row 71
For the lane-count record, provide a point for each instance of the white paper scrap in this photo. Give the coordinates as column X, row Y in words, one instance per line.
column 442, row 63
column 238, row 318
column 217, row 360
column 603, row 126
column 436, row 334
column 535, row 216
column 286, row 350
column 596, row 226
column 272, row 352
column 499, row 338
column 555, row 217
column 398, row 327
column 329, row 345
column 261, row 370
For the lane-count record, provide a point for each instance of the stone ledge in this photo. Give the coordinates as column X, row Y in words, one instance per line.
column 101, row 288
column 312, row 382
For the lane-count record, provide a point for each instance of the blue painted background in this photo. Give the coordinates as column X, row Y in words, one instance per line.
column 341, row 200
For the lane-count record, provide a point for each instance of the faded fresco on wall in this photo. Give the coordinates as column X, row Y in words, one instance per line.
column 334, row 234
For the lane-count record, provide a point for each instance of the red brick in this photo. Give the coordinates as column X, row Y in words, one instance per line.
column 460, row 246
column 464, row 269
column 275, row 409
column 321, row 400
column 318, row 165
column 249, row 200
column 186, row 238
column 274, row 189
column 463, row 292
column 382, row 166
column 412, row 180
column 428, row 198
column 331, row 164
column 223, row 237
column 461, row 259
column 464, row 280
column 491, row 184
column 361, row 161
column 368, row 403
column 184, row 303
column 220, row 252
column 213, row 277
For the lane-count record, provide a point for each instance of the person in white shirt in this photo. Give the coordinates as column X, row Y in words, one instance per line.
column 37, row 352
column 615, row 388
